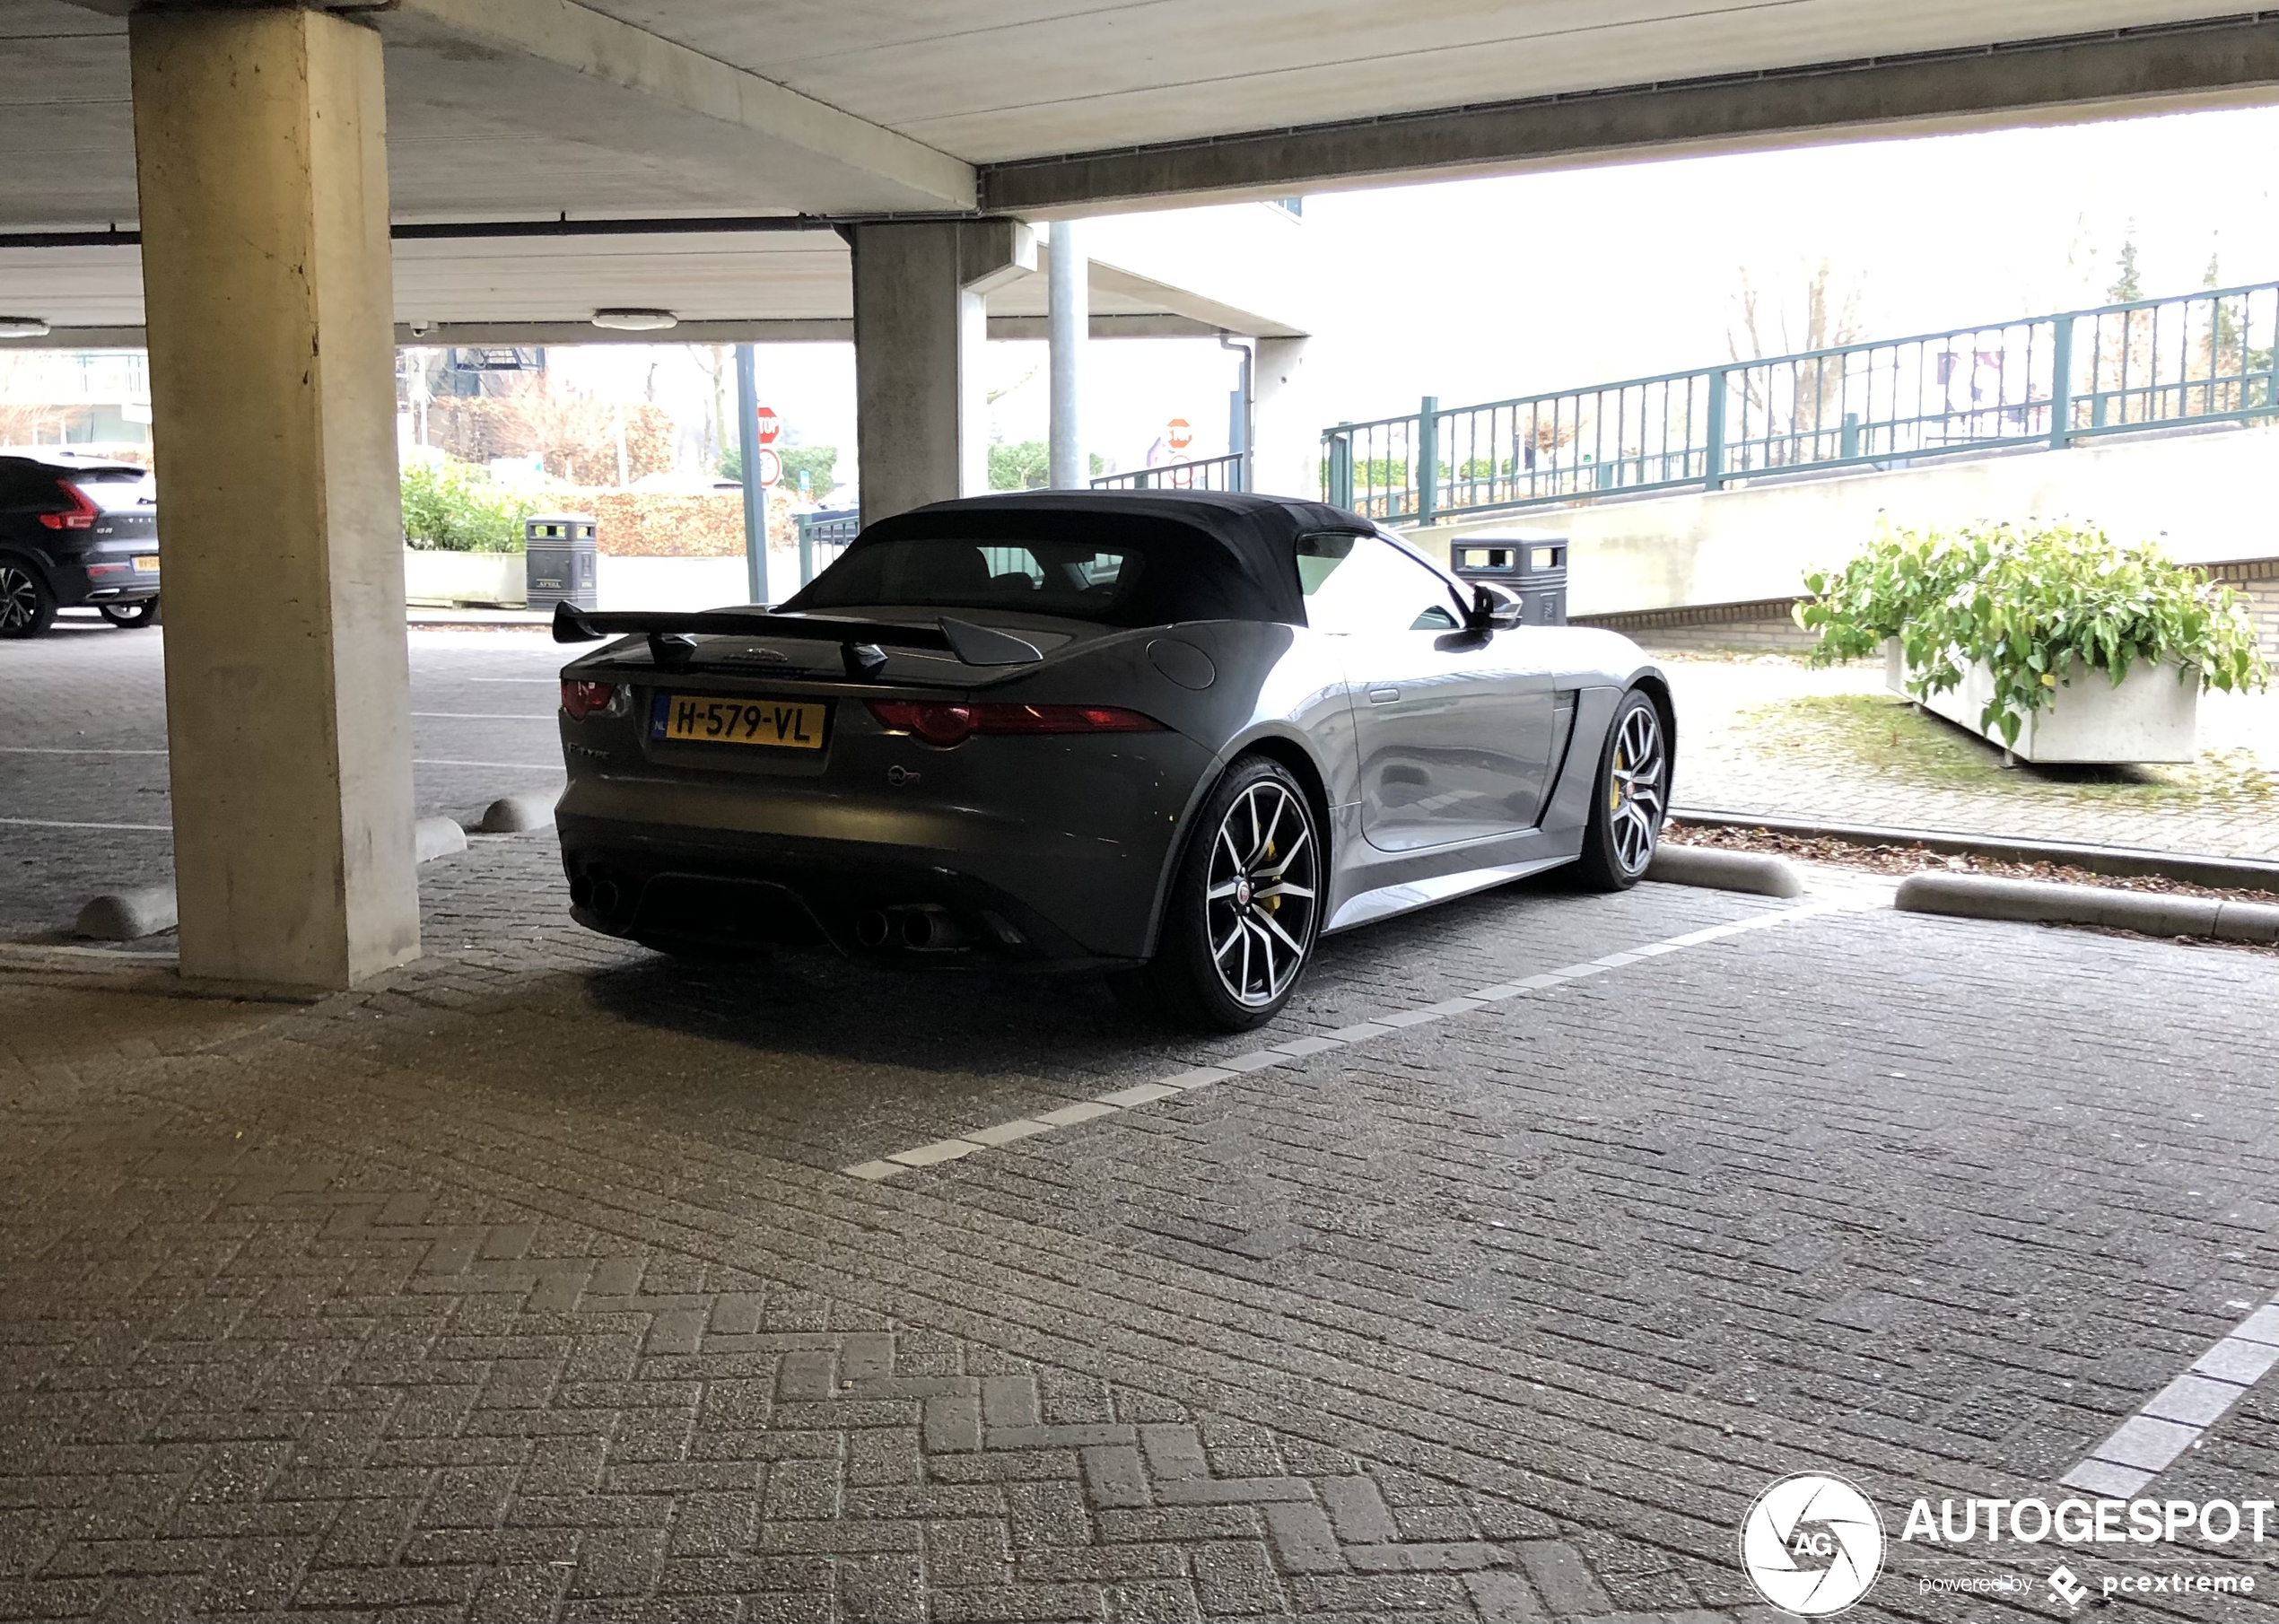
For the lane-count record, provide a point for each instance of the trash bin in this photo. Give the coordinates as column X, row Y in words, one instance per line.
column 559, row 560
column 1532, row 567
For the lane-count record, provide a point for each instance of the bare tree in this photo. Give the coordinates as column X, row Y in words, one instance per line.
column 1788, row 405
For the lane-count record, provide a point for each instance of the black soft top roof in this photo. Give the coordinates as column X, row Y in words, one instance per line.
column 1238, row 550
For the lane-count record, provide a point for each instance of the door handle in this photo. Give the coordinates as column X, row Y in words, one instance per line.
column 1383, row 696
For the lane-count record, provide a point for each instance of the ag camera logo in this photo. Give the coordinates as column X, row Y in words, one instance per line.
column 1811, row 1544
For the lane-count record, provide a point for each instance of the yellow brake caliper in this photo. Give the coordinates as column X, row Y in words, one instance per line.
column 1614, row 785
column 1273, row 903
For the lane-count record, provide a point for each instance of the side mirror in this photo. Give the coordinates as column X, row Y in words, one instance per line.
column 1493, row 610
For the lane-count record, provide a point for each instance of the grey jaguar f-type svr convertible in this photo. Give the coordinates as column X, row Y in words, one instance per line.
column 1176, row 737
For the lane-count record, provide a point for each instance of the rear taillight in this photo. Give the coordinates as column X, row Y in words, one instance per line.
column 79, row 516
column 584, row 699
column 940, row 722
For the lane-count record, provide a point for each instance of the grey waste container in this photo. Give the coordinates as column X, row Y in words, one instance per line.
column 1532, row 567
column 559, row 560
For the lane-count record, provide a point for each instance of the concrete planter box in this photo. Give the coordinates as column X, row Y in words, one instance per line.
column 2151, row 716
column 489, row 579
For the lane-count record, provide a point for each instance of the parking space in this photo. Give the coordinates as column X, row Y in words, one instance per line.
column 528, row 1283
column 84, row 794
column 547, row 1278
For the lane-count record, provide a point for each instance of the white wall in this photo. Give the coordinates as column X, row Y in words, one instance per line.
column 2206, row 498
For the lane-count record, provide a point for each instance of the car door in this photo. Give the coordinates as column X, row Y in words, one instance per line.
column 1454, row 727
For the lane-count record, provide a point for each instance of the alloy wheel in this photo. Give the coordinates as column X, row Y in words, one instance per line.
column 1262, row 893
column 1637, row 789
column 19, row 600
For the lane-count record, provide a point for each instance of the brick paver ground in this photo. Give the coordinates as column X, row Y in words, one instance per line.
column 1738, row 752
column 523, row 1285
column 526, row 1282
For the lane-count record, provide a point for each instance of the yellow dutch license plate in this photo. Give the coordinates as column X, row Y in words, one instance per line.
column 147, row 564
column 712, row 719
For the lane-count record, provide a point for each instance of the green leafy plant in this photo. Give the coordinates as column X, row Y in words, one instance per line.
column 449, row 507
column 2028, row 605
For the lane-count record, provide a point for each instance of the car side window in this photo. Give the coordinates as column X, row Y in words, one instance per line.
column 1363, row 583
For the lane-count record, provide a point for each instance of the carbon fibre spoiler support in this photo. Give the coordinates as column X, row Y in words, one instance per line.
column 862, row 643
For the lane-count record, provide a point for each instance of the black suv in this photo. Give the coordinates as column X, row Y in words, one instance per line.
column 75, row 534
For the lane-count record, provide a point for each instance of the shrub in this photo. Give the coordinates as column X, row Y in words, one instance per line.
column 451, row 508
column 2027, row 604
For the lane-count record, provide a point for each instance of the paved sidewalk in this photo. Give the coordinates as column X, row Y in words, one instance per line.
column 1769, row 734
column 525, row 1284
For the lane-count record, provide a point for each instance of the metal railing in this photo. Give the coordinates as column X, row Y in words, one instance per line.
column 823, row 537
column 1204, row 474
column 2050, row 380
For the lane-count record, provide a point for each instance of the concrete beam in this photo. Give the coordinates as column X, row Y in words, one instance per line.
column 2229, row 61
column 599, row 47
column 759, row 329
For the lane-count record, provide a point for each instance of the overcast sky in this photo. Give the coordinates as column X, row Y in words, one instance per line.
column 1479, row 290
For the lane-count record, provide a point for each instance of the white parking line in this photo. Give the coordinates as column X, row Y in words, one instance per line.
column 56, row 823
column 527, row 766
column 2173, row 1419
column 483, row 715
column 417, row 761
column 1297, row 1050
column 70, row 750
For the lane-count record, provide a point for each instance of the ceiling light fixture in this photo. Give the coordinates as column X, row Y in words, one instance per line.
column 635, row 321
column 22, row 326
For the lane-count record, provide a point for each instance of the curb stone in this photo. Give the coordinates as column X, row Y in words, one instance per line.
column 2121, row 862
column 1755, row 872
column 128, row 916
column 2040, row 901
column 514, row 814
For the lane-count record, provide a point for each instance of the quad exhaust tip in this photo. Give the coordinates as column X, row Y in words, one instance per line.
column 913, row 927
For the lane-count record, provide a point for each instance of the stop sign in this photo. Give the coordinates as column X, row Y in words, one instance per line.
column 771, row 425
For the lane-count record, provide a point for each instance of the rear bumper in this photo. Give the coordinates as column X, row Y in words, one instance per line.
column 869, row 902
column 82, row 582
column 1029, row 851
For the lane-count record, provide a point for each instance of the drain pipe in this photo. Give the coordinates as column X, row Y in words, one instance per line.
column 1238, row 408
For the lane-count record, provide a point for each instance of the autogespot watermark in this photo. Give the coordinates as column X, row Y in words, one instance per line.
column 1812, row 1545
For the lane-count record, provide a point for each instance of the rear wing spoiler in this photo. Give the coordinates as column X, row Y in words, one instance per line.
column 862, row 643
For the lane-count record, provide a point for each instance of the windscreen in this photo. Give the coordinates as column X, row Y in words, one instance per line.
column 1081, row 580
column 115, row 490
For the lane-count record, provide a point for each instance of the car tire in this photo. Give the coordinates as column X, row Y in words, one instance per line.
column 27, row 607
column 133, row 618
column 1630, row 796
column 1245, row 909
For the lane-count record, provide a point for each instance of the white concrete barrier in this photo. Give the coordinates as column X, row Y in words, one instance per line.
column 2205, row 497
column 2146, row 912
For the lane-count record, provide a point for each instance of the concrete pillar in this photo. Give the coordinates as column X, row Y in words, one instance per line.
column 1068, row 329
column 1287, row 455
column 920, row 423
column 259, row 160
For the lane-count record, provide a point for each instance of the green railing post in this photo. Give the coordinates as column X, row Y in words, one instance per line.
column 2061, row 384
column 1713, row 454
column 806, row 550
column 1847, row 446
column 1340, row 491
column 1428, row 456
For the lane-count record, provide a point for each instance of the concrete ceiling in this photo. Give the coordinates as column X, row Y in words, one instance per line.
column 521, row 110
